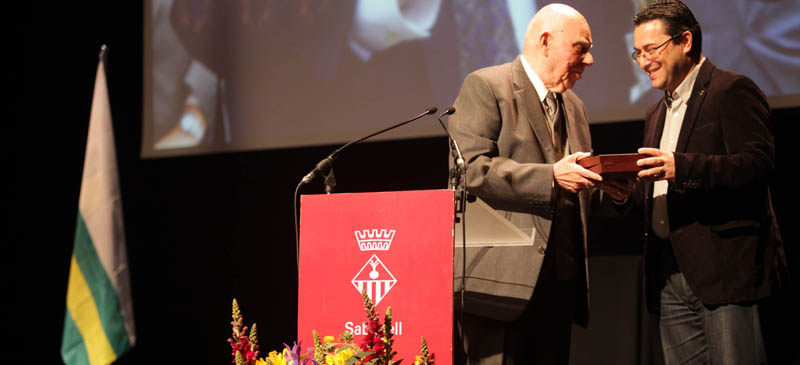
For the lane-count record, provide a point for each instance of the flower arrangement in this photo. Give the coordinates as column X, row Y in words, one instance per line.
column 245, row 348
column 375, row 348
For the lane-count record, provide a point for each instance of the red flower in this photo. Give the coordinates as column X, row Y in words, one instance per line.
column 373, row 340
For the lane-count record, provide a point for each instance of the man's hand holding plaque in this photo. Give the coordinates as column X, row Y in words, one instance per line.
column 619, row 172
column 656, row 164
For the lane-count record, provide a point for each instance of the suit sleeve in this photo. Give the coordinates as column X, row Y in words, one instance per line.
column 746, row 133
column 483, row 127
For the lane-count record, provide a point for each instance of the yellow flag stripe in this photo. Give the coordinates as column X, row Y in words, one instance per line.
column 83, row 309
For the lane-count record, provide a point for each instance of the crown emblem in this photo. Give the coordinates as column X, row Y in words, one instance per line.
column 374, row 240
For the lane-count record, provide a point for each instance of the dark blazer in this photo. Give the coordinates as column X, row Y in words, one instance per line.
column 503, row 134
column 723, row 230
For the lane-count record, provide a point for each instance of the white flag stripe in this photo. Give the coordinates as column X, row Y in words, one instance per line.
column 99, row 202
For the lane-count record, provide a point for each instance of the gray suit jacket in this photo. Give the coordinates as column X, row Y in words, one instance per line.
column 502, row 131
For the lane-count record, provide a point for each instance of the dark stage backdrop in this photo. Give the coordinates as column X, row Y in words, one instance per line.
column 202, row 230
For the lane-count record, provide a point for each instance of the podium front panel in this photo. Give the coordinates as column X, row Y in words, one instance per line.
column 396, row 246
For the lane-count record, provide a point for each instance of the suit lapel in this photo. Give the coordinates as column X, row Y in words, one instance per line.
column 530, row 109
column 699, row 91
column 577, row 139
column 652, row 136
column 654, row 128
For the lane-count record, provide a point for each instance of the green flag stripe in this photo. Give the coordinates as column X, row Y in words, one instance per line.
column 103, row 292
column 73, row 350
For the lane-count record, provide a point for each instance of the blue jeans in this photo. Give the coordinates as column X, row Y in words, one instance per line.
column 693, row 333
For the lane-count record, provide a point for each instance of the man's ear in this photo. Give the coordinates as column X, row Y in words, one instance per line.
column 686, row 42
column 545, row 41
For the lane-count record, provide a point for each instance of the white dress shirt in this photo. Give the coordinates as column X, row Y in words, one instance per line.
column 676, row 109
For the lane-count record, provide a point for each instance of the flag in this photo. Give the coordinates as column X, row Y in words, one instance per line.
column 98, row 325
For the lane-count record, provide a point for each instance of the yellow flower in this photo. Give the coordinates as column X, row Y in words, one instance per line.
column 329, row 339
column 275, row 358
column 340, row 358
column 417, row 360
column 261, row 362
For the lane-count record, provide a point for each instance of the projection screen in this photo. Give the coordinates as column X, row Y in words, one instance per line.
column 235, row 75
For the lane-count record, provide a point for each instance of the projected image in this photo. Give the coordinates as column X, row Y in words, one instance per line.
column 271, row 74
column 231, row 75
column 760, row 39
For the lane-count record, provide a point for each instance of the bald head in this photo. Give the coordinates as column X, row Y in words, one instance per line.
column 552, row 18
column 557, row 45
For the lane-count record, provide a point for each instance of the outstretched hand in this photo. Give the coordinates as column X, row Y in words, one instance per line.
column 659, row 166
column 573, row 177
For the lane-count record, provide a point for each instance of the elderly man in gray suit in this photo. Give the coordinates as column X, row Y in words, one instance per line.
column 522, row 131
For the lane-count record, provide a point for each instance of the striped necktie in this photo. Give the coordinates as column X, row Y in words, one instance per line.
column 556, row 119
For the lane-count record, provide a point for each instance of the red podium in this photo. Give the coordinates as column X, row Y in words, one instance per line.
column 398, row 246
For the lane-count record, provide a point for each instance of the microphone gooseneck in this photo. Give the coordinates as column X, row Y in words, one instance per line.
column 460, row 165
column 325, row 167
column 460, row 195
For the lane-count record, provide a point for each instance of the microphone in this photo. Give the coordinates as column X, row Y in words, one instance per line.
column 324, row 166
column 454, row 150
column 460, row 201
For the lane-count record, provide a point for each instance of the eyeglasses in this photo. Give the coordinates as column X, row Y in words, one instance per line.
column 648, row 53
